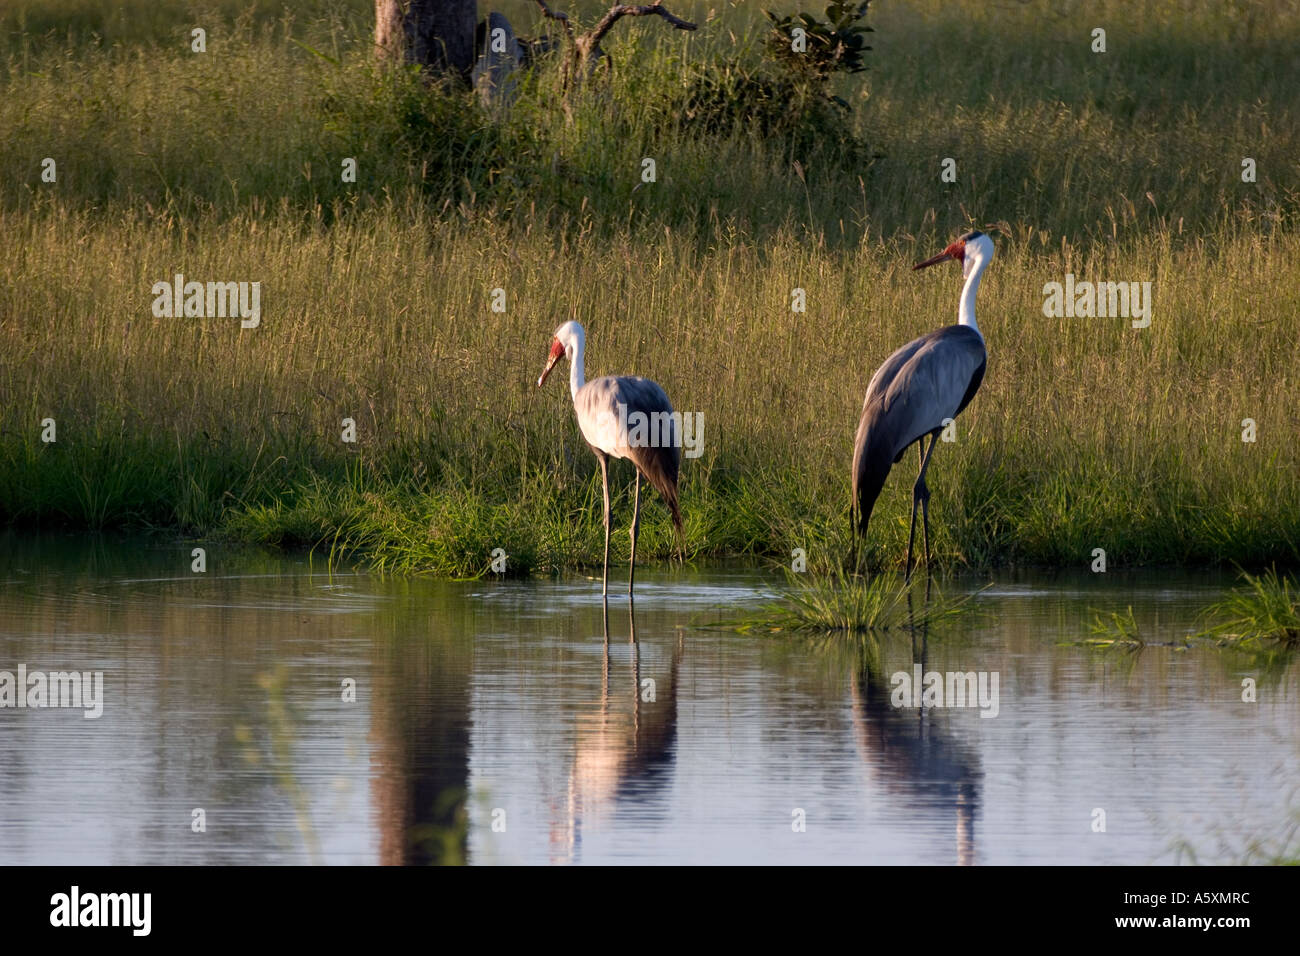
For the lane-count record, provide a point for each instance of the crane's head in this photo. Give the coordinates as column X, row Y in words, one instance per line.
column 972, row 248
column 568, row 337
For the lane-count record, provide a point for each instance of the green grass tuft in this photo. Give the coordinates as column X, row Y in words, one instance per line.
column 1263, row 608
column 1114, row 630
column 840, row 601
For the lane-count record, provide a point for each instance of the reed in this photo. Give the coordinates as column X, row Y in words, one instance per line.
column 1261, row 609
column 851, row 603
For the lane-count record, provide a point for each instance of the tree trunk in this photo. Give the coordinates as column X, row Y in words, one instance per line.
column 436, row 34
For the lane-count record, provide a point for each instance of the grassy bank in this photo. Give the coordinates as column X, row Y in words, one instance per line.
column 377, row 295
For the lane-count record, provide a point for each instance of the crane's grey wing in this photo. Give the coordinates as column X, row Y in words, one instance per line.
column 617, row 411
column 934, row 384
column 873, row 445
column 885, row 375
column 921, row 384
column 596, row 405
column 630, row 417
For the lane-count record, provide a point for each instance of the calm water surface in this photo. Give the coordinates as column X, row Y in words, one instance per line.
column 493, row 722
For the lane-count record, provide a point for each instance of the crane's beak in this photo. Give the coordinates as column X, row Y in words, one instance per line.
column 956, row 251
column 935, row 260
column 557, row 352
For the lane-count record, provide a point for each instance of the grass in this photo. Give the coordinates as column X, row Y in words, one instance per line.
column 1263, row 608
column 1116, row 629
column 1262, row 613
column 1279, row 845
column 377, row 295
column 843, row 602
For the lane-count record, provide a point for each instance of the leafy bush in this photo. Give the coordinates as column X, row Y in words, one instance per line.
column 726, row 98
column 834, row 46
column 436, row 131
column 787, row 95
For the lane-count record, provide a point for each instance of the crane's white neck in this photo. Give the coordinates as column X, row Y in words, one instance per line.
column 976, row 263
column 573, row 350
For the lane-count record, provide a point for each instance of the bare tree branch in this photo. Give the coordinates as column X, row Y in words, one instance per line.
column 585, row 49
column 562, row 17
column 628, row 10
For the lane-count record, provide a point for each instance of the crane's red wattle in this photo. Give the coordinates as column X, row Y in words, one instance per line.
column 956, row 250
column 557, row 352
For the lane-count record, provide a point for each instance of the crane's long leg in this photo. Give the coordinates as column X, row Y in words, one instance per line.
column 925, row 502
column 921, row 493
column 636, row 526
column 636, row 672
column 853, row 537
column 604, row 480
column 604, row 676
column 911, row 534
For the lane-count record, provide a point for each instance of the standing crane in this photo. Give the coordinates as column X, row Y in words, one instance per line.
column 604, row 407
column 919, row 389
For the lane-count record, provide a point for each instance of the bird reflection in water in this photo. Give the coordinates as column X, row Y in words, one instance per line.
column 624, row 749
column 907, row 753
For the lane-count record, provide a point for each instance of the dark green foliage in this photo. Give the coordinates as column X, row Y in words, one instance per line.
column 835, row 45
column 731, row 98
column 447, row 144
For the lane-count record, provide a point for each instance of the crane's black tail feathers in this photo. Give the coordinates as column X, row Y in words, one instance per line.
column 660, row 468
column 870, row 469
column 670, row 498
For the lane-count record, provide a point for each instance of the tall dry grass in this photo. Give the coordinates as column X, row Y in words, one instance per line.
column 376, row 295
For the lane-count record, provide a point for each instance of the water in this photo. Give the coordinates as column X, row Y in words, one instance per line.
column 493, row 724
